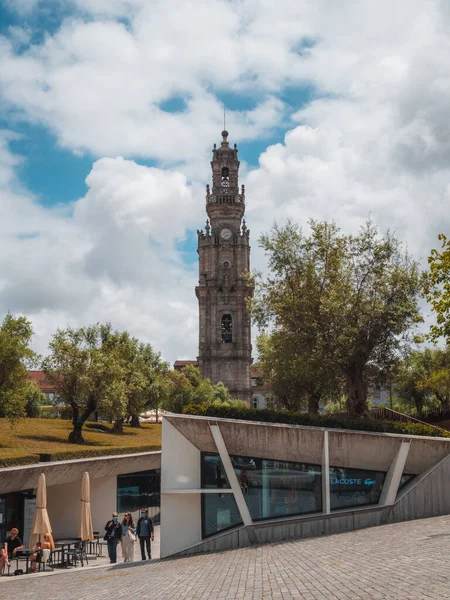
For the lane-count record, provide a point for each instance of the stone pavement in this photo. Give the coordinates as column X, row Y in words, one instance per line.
column 404, row 561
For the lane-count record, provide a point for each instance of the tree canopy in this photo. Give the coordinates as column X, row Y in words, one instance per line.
column 16, row 357
column 337, row 307
column 437, row 289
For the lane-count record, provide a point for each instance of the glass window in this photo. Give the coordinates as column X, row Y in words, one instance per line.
column 404, row 480
column 354, row 487
column 220, row 512
column 291, row 489
column 135, row 490
column 213, row 473
column 271, row 489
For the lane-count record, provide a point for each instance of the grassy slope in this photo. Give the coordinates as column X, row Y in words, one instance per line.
column 38, row 436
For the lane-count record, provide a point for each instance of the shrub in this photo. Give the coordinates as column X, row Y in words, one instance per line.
column 332, row 421
column 82, row 452
column 56, row 412
column 17, row 461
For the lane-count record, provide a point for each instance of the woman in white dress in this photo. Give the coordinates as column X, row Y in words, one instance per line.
column 128, row 538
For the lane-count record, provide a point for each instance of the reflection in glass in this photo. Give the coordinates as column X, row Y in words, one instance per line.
column 135, row 490
column 404, row 480
column 354, row 487
column 271, row 489
column 220, row 512
column 213, row 473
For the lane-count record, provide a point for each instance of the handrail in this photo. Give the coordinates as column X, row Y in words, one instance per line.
column 383, row 412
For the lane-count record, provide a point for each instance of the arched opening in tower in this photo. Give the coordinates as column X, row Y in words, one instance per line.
column 227, row 329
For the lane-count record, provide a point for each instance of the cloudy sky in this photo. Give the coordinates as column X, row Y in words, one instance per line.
column 108, row 113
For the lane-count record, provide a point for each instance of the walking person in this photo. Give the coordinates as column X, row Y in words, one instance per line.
column 145, row 532
column 113, row 535
column 128, row 538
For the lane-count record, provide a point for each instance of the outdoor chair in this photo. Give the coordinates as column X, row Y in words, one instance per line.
column 78, row 553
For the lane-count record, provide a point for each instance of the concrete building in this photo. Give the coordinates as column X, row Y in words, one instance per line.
column 225, row 350
column 118, row 483
column 227, row 483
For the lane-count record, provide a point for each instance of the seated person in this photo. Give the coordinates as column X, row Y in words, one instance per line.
column 47, row 544
column 13, row 543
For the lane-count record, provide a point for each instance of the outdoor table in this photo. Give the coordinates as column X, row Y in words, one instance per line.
column 62, row 544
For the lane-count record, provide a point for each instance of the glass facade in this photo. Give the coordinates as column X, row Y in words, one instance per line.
column 271, row 488
column 135, row 490
column 354, row 487
column 404, row 480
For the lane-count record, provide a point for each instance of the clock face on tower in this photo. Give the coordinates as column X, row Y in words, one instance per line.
column 225, row 234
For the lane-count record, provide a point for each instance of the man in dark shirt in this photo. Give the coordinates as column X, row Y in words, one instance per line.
column 14, row 543
column 144, row 531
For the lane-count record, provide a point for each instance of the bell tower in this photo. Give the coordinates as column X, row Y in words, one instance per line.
column 225, row 350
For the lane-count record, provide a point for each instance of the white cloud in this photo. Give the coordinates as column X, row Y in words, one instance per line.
column 375, row 140
column 113, row 257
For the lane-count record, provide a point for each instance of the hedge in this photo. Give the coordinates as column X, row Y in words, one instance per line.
column 330, row 421
column 81, row 452
column 19, row 461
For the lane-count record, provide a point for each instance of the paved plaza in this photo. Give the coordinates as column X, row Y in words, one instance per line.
column 409, row 560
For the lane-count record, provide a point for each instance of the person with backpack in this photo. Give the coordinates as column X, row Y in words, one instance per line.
column 144, row 531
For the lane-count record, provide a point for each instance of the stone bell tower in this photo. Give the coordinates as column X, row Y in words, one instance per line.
column 225, row 350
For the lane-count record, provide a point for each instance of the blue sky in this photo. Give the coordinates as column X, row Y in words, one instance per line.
column 110, row 108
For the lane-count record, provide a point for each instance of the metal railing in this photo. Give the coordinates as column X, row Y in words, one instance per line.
column 384, row 413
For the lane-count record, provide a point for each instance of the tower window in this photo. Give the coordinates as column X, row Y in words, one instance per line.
column 227, row 329
column 225, row 176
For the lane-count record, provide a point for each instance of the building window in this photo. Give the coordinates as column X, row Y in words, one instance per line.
column 255, row 402
column 405, row 480
column 227, row 329
column 271, row 489
column 135, row 490
column 219, row 511
column 354, row 487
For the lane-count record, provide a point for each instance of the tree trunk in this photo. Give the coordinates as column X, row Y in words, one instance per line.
column 357, row 392
column 118, row 426
column 134, row 422
column 313, row 403
column 419, row 401
column 75, row 436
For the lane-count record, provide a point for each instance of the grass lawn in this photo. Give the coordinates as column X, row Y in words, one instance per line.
column 33, row 440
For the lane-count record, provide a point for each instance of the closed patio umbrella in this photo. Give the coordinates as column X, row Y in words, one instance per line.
column 85, row 530
column 41, row 522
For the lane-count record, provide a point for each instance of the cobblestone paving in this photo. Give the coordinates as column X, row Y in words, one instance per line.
column 405, row 561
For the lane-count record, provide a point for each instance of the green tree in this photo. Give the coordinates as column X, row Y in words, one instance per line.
column 34, row 400
column 339, row 305
column 143, row 370
column 438, row 380
column 87, row 373
column 412, row 381
column 189, row 387
column 437, row 289
column 16, row 357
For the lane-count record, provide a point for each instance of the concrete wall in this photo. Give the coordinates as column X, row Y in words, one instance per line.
column 427, row 495
column 15, row 479
column 63, row 505
column 180, row 512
